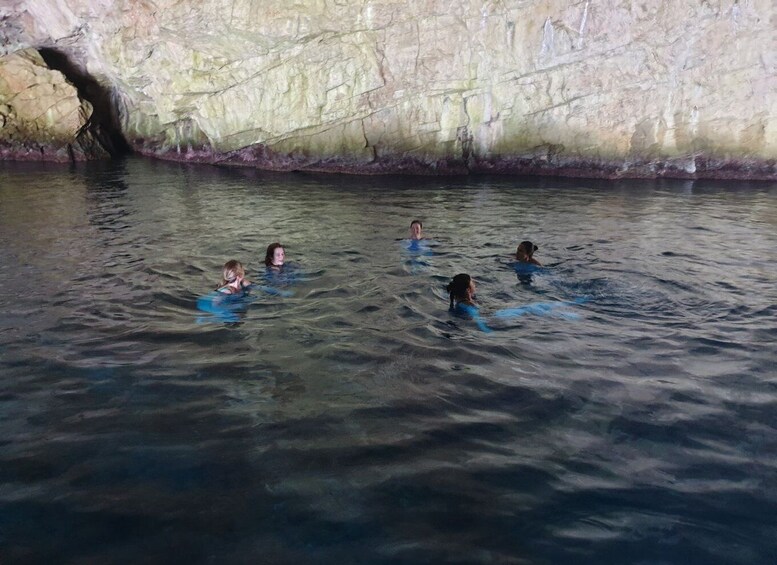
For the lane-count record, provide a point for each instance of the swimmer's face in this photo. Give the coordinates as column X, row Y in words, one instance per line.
column 278, row 256
column 521, row 254
column 471, row 289
column 415, row 230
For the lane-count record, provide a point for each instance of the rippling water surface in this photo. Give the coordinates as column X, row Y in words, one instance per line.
column 357, row 421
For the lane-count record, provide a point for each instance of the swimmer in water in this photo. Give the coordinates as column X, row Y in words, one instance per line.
column 416, row 228
column 461, row 290
column 275, row 256
column 525, row 252
column 233, row 279
column 277, row 271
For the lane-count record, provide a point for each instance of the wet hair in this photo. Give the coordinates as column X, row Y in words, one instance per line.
column 270, row 252
column 417, row 222
column 458, row 287
column 232, row 271
column 528, row 246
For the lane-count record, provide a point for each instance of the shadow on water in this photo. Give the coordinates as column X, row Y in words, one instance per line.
column 107, row 194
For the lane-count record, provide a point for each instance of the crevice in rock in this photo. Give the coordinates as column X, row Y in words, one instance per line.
column 104, row 124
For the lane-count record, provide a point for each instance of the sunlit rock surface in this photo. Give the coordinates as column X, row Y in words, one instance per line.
column 617, row 88
column 41, row 114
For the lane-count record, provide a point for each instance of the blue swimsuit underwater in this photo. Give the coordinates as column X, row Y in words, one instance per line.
column 222, row 307
column 225, row 307
column 416, row 251
column 538, row 308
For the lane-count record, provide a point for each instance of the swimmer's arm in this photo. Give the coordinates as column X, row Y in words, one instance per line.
column 474, row 313
column 482, row 324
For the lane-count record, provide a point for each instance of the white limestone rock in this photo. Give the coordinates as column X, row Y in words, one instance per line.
column 613, row 88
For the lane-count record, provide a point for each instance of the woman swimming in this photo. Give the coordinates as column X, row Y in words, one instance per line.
column 275, row 256
column 277, row 272
column 233, row 278
column 461, row 290
column 462, row 294
column 525, row 252
column 416, row 228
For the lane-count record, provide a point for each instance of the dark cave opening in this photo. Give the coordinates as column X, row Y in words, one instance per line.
column 104, row 124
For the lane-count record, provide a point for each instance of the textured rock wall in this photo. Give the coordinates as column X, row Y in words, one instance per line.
column 41, row 114
column 612, row 88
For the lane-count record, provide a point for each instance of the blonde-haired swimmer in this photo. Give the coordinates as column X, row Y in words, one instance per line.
column 233, row 278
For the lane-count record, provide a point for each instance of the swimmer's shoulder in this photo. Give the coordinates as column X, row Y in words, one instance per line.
column 467, row 309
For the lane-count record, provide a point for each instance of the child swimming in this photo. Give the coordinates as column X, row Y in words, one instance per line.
column 228, row 302
column 233, row 279
column 277, row 272
column 525, row 252
column 275, row 256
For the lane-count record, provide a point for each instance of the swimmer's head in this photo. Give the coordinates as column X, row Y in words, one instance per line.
column 461, row 288
column 233, row 272
column 275, row 256
column 525, row 250
column 415, row 229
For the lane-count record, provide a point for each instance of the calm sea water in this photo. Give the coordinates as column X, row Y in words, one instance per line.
column 357, row 421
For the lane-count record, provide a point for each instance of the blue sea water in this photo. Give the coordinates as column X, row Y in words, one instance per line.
column 623, row 410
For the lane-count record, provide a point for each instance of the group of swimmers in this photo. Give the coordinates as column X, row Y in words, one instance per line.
column 233, row 276
column 524, row 253
column 461, row 289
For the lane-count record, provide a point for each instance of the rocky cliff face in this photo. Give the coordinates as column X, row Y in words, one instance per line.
column 42, row 117
column 608, row 88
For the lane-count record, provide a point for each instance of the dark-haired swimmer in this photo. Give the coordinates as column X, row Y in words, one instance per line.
column 416, row 229
column 525, row 252
column 462, row 294
column 277, row 271
column 461, row 290
column 275, row 256
column 417, row 248
column 417, row 244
